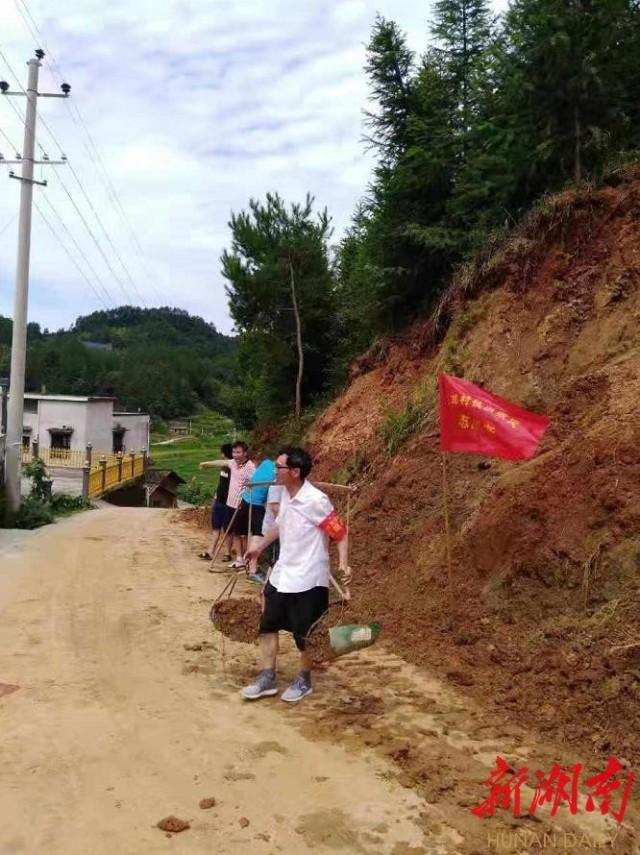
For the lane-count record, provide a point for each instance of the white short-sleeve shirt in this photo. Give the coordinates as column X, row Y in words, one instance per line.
column 273, row 498
column 304, row 547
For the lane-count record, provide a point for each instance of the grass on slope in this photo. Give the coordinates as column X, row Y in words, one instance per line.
column 209, row 431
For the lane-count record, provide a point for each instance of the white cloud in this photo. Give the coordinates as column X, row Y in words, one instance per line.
column 195, row 106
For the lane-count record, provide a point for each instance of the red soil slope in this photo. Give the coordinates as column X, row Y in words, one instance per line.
column 546, row 552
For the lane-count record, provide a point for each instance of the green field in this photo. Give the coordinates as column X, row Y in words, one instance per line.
column 209, row 431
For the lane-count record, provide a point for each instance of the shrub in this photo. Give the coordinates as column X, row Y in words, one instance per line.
column 40, row 481
column 40, row 508
column 33, row 513
column 399, row 425
column 159, row 427
column 353, row 469
column 196, row 492
column 63, row 505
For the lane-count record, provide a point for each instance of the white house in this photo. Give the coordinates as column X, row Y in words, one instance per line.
column 131, row 431
column 70, row 422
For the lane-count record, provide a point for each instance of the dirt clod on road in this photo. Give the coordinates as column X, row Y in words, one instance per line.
column 173, row 824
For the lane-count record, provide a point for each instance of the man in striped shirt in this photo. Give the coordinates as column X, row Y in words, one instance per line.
column 241, row 471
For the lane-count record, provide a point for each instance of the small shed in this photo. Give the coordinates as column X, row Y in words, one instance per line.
column 180, row 427
column 161, row 488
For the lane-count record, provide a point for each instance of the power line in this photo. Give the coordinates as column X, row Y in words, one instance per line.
column 109, row 186
column 37, row 35
column 9, row 223
column 112, row 193
column 93, row 237
column 85, row 194
column 70, row 257
column 26, row 9
column 15, row 109
column 78, row 248
column 8, row 140
column 20, row 312
column 94, row 155
column 106, row 233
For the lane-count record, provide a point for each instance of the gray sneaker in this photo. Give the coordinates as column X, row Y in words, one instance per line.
column 298, row 690
column 264, row 686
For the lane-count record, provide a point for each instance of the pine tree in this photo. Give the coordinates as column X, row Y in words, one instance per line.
column 280, row 293
column 565, row 103
column 462, row 32
column 389, row 68
column 495, row 115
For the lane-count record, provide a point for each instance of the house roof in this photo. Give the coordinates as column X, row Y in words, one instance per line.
column 160, row 489
column 98, row 345
column 82, row 399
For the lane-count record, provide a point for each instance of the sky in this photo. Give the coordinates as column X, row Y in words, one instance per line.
column 181, row 111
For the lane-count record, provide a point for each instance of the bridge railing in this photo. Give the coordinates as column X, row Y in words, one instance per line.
column 65, row 458
column 104, row 475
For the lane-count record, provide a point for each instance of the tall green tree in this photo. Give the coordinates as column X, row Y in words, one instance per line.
column 566, row 102
column 393, row 263
column 462, row 32
column 281, row 298
column 390, row 71
column 494, row 114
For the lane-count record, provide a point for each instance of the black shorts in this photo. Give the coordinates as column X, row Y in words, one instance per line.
column 241, row 522
column 294, row 613
column 220, row 516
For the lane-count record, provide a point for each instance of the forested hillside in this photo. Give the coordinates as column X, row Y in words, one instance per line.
column 163, row 361
column 468, row 136
column 545, row 621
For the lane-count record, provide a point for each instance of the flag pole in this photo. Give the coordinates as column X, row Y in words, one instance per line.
column 447, row 530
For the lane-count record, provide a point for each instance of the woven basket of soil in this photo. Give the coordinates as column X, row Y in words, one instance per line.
column 238, row 620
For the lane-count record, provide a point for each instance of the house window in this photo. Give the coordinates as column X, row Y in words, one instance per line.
column 118, row 440
column 31, row 405
column 60, row 444
column 26, row 441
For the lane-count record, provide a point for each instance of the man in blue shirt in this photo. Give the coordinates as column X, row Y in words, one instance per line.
column 250, row 516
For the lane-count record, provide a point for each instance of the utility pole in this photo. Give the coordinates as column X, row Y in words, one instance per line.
column 13, row 455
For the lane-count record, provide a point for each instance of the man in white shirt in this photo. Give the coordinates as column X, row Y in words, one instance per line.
column 297, row 592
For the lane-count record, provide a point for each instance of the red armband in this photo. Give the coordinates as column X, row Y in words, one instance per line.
column 334, row 526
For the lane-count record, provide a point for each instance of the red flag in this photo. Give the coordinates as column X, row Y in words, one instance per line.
column 478, row 422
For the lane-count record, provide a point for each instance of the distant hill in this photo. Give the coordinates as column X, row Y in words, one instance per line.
column 163, row 361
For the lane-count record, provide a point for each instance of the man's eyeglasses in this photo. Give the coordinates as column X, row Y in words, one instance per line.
column 282, row 466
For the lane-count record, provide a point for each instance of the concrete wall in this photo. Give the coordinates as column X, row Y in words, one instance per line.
column 31, row 420
column 91, row 422
column 99, row 421
column 55, row 414
column 137, row 430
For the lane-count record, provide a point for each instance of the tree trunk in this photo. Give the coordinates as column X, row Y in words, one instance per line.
column 577, row 158
column 465, row 83
column 296, row 313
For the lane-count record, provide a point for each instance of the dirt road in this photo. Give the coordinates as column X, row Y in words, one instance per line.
column 116, row 724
